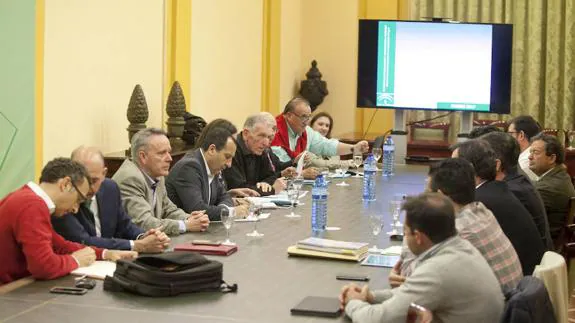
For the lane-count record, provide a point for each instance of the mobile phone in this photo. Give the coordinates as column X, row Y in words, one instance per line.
column 207, row 242
column 68, row 290
column 360, row 278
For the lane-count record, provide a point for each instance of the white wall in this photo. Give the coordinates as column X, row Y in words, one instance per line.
column 95, row 53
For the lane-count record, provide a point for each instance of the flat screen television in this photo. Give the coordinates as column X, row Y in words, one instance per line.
column 434, row 66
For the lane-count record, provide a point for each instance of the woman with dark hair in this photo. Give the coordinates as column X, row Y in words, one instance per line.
column 322, row 123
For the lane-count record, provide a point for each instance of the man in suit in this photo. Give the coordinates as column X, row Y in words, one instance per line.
column 507, row 153
column 28, row 243
column 515, row 221
column 546, row 161
column 195, row 182
column 141, row 182
column 451, row 278
column 523, row 128
column 101, row 221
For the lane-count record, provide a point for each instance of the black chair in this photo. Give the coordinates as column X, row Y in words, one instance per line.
column 378, row 142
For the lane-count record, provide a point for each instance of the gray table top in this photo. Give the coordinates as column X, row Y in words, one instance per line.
column 269, row 282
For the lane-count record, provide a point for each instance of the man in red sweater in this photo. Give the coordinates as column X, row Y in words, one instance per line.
column 28, row 243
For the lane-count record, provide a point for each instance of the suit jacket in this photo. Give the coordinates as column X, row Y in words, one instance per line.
column 528, row 303
column 188, row 187
column 452, row 279
column 556, row 189
column 116, row 228
column 527, row 194
column 137, row 198
column 515, row 221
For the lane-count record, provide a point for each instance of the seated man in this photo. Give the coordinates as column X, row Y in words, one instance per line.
column 195, row 182
column 507, row 153
column 455, row 178
column 546, row 161
column 141, row 182
column 515, row 221
column 523, row 128
column 295, row 136
column 252, row 168
column 102, row 221
column 450, row 278
column 28, row 243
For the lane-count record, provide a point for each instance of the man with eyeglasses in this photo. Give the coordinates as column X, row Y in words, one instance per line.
column 294, row 135
column 523, row 128
column 28, row 243
column 101, row 221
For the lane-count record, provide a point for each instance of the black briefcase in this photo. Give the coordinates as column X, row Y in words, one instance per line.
column 168, row 274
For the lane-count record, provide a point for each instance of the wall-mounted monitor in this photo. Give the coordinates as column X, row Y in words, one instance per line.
column 434, row 66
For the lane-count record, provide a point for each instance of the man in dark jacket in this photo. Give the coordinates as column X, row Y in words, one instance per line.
column 514, row 219
column 507, row 152
column 546, row 161
column 195, row 182
column 101, row 221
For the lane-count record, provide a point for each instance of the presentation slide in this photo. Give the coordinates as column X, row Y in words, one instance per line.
column 434, row 66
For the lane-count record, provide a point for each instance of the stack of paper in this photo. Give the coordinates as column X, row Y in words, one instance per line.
column 325, row 248
column 98, row 270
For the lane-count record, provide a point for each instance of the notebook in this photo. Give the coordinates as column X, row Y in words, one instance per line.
column 295, row 251
column 98, row 270
column 220, row 250
column 318, row 306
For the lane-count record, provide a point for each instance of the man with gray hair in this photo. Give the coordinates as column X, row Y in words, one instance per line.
column 251, row 166
column 143, row 189
column 294, row 135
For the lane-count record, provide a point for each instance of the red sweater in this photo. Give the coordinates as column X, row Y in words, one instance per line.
column 28, row 243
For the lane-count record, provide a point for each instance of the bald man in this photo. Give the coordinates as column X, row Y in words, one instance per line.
column 101, row 221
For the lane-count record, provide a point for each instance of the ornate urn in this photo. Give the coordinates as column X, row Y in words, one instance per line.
column 313, row 89
column 137, row 113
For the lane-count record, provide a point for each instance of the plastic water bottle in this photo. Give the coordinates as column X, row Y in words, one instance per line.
column 388, row 156
column 318, row 205
column 369, row 170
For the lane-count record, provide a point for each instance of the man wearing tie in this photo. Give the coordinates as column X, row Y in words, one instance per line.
column 101, row 221
column 195, row 182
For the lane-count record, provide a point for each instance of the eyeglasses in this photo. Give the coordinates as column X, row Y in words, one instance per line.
column 83, row 197
column 303, row 118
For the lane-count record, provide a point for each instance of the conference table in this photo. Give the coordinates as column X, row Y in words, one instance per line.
column 269, row 281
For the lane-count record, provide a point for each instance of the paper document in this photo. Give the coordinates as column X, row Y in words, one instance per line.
column 262, row 216
column 98, row 270
column 300, row 163
column 392, row 251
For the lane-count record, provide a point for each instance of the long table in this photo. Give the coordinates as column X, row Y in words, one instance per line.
column 269, row 282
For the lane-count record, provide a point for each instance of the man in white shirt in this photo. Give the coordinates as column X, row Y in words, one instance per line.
column 523, row 128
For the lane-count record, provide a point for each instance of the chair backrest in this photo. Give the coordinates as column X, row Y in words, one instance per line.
column 418, row 314
column 443, row 126
column 486, row 122
column 553, row 272
column 378, row 142
column 567, row 234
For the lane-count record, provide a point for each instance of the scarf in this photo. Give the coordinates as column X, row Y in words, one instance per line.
column 282, row 138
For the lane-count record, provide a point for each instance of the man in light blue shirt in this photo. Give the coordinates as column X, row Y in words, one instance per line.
column 295, row 136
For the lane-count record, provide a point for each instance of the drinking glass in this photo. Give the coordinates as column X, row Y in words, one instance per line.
column 395, row 209
column 297, row 183
column 357, row 161
column 376, row 224
column 293, row 195
column 377, row 152
column 343, row 167
column 253, row 216
column 228, row 217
